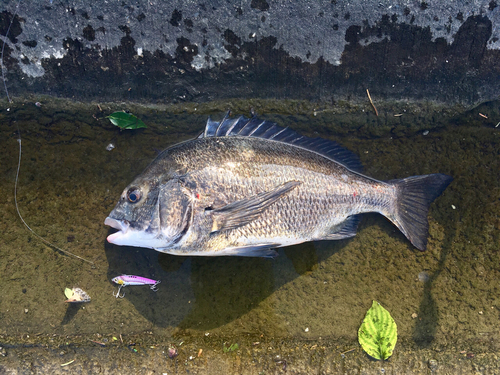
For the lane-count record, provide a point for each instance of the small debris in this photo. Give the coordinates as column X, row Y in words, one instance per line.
column 433, row 364
column 98, row 343
column 347, row 351
column 281, row 362
column 172, row 352
column 480, row 313
column 452, row 206
column 25, row 311
column 398, row 115
column 496, row 126
column 76, row 295
column 414, row 315
column 38, row 104
column 483, row 116
column 3, row 352
column 68, row 363
column 306, row 330
column 423, row 277
column 199, row 353
column 425, row 132
column 110, row 147
column 371, row 102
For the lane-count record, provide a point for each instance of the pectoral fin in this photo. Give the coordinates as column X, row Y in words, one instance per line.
column 246, row 210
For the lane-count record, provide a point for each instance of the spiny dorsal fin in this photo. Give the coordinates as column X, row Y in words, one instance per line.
column 254, row 127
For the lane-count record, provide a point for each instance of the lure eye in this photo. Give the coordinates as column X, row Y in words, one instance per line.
column 133, row 195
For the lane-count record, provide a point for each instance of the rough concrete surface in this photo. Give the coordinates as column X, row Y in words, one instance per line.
column 166, row 51
column 433, row 71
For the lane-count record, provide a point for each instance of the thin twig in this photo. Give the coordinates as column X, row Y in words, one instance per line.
column 348, row 351
column 68, row 363
column 98, row 342
column 371, row 102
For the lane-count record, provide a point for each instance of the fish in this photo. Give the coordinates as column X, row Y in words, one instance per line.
column 246, row 186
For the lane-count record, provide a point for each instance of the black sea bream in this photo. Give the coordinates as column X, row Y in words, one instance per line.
column 247, row 186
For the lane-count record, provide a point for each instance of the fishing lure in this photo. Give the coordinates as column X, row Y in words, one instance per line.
column 125, row 280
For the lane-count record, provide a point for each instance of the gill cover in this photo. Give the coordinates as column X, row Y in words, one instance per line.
column 175, row 206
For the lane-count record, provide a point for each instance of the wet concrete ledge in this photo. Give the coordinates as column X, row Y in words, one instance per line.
column 65, row 122
column 147, row 354
column 177, row 51
column 389, row 117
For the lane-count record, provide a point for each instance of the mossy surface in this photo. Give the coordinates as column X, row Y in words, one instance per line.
column 69, row 182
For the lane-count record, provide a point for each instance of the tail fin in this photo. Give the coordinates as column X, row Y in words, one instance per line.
column 414, row 196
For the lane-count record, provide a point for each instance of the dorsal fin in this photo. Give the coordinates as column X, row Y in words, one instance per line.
column 254, row 127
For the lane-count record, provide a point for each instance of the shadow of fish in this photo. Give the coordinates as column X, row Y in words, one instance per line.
column 247, row 186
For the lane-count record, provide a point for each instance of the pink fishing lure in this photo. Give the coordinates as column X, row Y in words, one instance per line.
column 125, row 280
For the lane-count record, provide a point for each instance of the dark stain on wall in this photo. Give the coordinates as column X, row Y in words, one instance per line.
column 89, row 33
column 394, row 59
column 15, row 29
column 261, row 5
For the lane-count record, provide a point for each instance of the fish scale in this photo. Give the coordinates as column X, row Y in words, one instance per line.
column 247, row 186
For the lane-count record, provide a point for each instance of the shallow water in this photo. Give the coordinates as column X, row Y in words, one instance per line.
column 69, row 182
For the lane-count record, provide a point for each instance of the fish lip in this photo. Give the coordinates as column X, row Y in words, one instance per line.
column 121, row 225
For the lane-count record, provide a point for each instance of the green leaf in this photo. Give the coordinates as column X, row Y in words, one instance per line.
column 126, row 120
column 68, row 293
column 231, row 348
column 378, row 333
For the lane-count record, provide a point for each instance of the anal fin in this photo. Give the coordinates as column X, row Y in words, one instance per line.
column 346, row 229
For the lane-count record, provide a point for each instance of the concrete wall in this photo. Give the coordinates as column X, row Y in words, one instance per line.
column 170, row 51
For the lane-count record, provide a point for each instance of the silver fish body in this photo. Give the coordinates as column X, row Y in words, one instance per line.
column 247, row 186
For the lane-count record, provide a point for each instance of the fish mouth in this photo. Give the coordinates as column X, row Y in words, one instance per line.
column 121, row 225
column 128, row 235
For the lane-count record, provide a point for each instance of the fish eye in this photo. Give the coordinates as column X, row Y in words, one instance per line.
column 133, row 195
